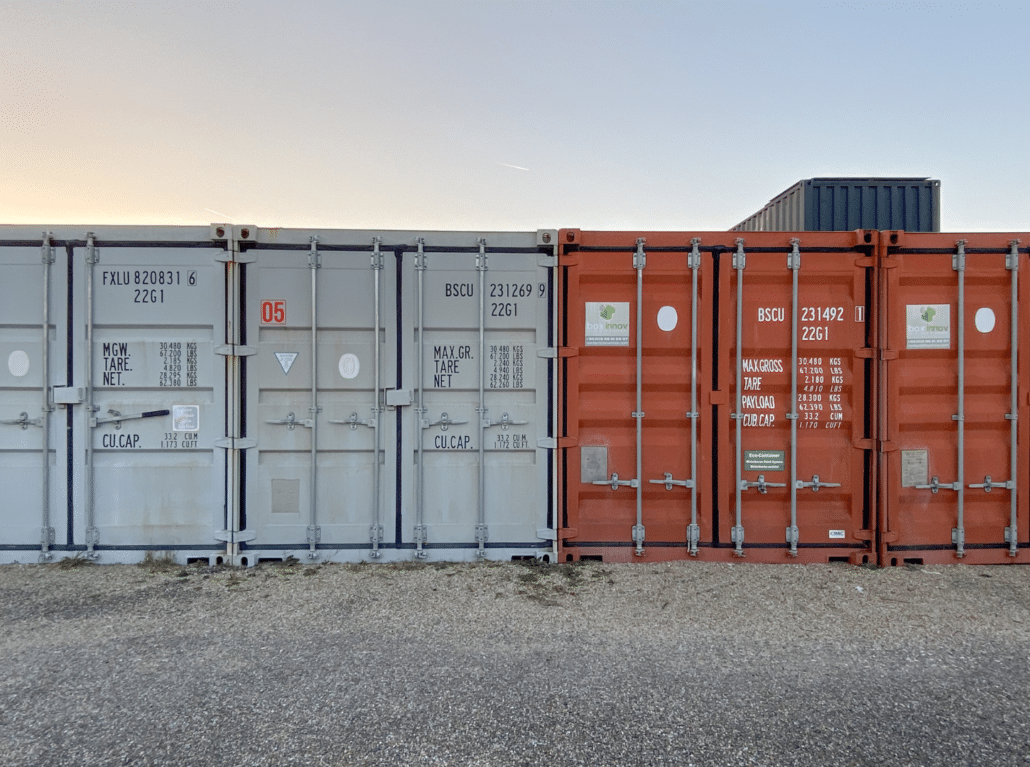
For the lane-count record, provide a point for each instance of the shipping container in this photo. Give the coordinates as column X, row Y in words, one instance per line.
column 33, row 344
column 954, row 411
column 847, row 204
column 398, row 394
column 716, row 396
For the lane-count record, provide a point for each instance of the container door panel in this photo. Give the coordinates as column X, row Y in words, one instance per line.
column 954, row 479
column 150, row 320
column 479, row 318
column 795, row 430
column 33, row 454
column 347, row 503
column 619, row 291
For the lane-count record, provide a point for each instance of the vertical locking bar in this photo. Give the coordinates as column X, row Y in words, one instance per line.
column 639, row 262
column 46, row 534
column 484, row 422
column 420, row 520
column 235, row 382
column 314, row 534
column 1012, row 264
column 694, row 263
column 739, row 261
column 555, row 366
column 92, row 534
column 794, row 264
column 958, row 263
column 376, row 532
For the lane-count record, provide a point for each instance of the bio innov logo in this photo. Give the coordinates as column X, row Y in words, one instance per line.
column 928, row 314
column 607, row 312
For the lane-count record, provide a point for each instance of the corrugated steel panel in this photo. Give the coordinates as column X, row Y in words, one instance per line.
column 637, row 464
column 151, row 310
column 954, row 478
column 648, row 413
column 795, row 408
column 33, row 350
column 847, row 204
column 431, row 351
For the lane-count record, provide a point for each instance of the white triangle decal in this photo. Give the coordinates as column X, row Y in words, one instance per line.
column 286, row 360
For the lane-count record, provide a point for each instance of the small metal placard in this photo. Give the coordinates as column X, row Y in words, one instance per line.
column 928, row 326
column 607, row 323
column 285, row 496
column 915, row 468
column 593, row 464
column 185, row 417
column 765, row 460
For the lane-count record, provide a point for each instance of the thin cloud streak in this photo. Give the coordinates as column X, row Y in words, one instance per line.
column 516, row 167
column 224, row 215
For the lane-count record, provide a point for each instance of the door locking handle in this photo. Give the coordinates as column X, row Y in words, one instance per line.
column 761, row 484
column 936, row 485
column 293, row 422
column 504, row 423
column 815, row 484
column 669, row 482
column 23, row 421
column 988, row 485
column 615, row 482
column 116, row 418
column 354, row 422
column 443, row 423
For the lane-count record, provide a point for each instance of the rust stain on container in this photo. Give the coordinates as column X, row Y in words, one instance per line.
column 955, row 380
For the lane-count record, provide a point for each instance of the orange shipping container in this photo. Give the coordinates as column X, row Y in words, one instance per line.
column 674, row 443
column 954, row 471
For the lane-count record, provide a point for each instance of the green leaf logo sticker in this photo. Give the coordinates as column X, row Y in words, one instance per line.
column 607, row 312
column 928, row 314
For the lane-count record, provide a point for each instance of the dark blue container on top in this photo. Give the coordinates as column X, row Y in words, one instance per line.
column 845, row 204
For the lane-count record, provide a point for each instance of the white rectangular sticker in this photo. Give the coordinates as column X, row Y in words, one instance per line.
column 607, row 323
column 185, row 417
column 837, row 534
column 915, row 468
column 765, row 460
column 928, row 326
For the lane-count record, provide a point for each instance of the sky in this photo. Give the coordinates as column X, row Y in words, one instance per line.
column 500, row 115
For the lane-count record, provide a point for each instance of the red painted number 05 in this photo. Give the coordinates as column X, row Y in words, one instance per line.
column 273, row 312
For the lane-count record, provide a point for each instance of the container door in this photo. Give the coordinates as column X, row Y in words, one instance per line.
column 794, row 403
column 636, row 366
column 322, row 479
column 477, row 347
column 149, row 331
column 33, row 359
column 955, row 415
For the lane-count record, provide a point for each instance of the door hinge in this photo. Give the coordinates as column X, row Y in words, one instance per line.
column 238, row 443
column 235, row 350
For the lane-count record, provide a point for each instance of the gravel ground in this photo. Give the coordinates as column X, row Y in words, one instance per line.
column 498, row 664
